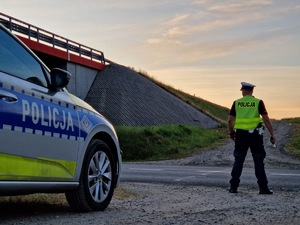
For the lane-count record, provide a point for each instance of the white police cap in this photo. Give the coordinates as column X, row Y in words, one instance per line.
column 247, row 86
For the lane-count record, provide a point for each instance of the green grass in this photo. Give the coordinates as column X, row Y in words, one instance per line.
column 166, row 141
column 294, row 144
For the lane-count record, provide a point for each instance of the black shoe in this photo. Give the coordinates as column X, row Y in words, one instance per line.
column 265, row 191
column 233, row 190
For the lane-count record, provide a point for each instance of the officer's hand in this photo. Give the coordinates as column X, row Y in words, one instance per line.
column 232, row 135
column 272, row 140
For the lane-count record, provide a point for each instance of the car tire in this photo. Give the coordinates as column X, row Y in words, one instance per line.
column 97, row 180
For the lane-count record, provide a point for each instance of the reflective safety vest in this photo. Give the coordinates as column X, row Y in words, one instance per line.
column 247, row 114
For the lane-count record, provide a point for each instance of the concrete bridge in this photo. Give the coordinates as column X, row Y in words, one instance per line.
column 83, row 62
column 119, row 93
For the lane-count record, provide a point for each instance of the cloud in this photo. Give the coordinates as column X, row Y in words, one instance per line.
column 239, row 6
column 131, row 5
column 214, row 30
column 166, row 52
column 178, row 19
column 171, row 52
column 204, row 20
column 165, row 32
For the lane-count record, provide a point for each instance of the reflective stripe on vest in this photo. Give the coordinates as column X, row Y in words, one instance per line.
column 247, row 115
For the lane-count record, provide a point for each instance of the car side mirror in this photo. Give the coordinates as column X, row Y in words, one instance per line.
column 59, row 78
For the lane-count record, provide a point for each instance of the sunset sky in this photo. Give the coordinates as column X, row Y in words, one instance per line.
column 202, row 47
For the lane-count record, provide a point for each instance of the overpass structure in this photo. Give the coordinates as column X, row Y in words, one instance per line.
column 83, row 62
column 119, row 93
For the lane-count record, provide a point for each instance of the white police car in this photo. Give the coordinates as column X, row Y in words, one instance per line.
column 51, row 141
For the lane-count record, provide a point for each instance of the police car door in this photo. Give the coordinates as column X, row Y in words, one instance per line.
column 38, row 127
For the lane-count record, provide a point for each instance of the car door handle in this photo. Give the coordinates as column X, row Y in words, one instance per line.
column 8, row 97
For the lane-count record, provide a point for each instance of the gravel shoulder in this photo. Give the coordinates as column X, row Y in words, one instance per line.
column 276, row 157
column 140, row 203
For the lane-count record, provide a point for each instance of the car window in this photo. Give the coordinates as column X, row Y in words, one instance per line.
column 17, row 61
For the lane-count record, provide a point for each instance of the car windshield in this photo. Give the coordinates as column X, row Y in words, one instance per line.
column 17, row 61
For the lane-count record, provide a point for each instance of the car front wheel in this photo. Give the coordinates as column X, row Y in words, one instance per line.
column 97, row 180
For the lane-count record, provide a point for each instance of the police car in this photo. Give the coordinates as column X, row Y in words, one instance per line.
column 51, row 141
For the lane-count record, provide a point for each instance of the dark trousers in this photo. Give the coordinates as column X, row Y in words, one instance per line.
column 243, row 141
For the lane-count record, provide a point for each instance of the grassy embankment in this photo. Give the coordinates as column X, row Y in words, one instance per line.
column 173, row 141
column 294, row 144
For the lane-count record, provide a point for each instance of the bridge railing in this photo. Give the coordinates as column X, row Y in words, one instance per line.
column 40, row 35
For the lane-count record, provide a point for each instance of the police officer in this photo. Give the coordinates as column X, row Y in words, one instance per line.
column 246, row 129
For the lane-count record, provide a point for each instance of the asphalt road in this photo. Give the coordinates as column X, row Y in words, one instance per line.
column 279, row 179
